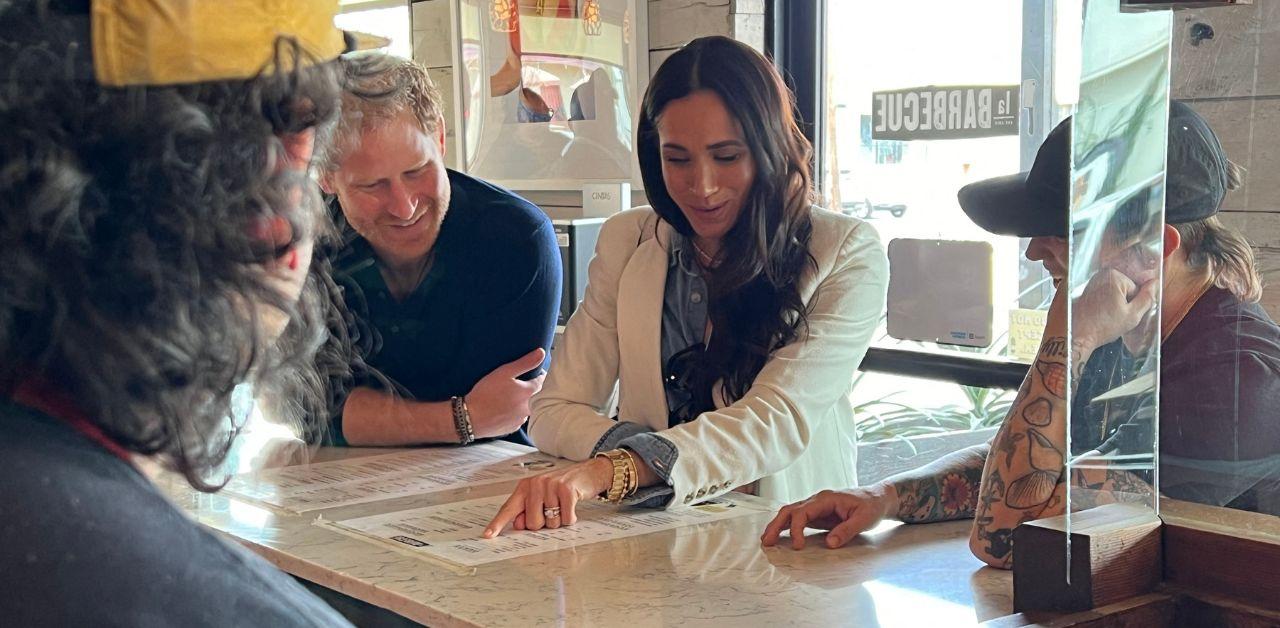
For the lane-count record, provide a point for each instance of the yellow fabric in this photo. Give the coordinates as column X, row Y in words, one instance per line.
column 164, row 42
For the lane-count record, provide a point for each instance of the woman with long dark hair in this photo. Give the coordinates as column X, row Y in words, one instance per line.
column 729, row 317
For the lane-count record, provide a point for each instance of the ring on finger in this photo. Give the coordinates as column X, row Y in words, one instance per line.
column 551, row 512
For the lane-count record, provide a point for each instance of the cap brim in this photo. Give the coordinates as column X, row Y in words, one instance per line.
column 1004, row 206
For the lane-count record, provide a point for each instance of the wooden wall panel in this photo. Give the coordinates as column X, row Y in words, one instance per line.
column 672, row 23
column 1241, row 60
column 1247, row 128
column 1269, row 264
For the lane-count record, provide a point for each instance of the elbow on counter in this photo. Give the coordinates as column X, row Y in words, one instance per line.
column 993, row 548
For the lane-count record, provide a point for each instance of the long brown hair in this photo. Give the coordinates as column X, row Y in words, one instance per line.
column 1225, row 254
column 755, row 305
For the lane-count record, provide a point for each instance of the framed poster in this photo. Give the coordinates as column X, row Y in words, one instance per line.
column 548, row 91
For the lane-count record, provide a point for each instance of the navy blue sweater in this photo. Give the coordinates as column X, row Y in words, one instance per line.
column 492, row 295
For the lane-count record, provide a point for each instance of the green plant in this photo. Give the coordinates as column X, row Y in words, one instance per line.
column 887, row 418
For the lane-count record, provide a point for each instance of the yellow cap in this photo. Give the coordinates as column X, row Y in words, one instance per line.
column 165, row 42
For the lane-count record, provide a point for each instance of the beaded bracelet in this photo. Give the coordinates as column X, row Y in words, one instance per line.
column 462, row 421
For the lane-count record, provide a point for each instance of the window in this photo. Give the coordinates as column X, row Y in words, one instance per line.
column 902, row 100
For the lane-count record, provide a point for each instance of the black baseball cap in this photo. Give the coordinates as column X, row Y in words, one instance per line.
column 1036, row 203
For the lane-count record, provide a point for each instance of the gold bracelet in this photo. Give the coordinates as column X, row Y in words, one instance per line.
column 633, row 474
column 618, row 486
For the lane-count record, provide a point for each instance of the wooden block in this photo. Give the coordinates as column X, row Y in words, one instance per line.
column 1195, row 609
column 1242, row 58
column 1155, row 610
column 1114, row 555
column 1224, row 552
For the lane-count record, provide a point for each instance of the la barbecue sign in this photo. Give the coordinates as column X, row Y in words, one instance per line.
column 944, row 113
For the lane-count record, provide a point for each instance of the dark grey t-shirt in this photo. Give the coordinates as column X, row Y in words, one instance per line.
column 85, row 540
column 1219, row 394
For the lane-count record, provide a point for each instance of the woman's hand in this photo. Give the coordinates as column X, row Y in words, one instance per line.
column 558, row 492
column 845, row 513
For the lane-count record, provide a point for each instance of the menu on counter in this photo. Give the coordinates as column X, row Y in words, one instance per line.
column 303, row 488
column 451, row 532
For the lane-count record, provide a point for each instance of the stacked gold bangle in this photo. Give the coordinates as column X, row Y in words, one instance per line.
column 462, row 420
column 626, row 477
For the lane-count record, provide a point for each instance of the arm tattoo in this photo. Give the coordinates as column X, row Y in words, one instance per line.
column 1008, row 444
column 1052, row 366
column 1035, row 488
column 943, row 490
column 1038, row 413
column 1054, row 376
column 1000, row 541
column 1033, row 483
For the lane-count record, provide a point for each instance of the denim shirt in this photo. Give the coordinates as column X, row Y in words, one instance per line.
column 684, row 322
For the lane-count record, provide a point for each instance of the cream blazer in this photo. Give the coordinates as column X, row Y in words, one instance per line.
column 793, row 430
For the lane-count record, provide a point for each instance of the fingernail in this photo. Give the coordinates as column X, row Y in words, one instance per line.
column 833, row 539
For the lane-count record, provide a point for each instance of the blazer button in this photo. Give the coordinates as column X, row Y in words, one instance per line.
column 701, row 492
column 688, row 498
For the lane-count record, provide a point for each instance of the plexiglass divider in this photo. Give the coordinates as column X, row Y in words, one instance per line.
column 1116, row 244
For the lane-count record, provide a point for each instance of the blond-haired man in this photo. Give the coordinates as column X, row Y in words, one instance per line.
column 454, row 283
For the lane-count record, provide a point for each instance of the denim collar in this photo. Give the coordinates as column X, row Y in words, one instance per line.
column 681, row 256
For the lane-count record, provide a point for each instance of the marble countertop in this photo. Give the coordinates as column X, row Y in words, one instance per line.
column 714, row 574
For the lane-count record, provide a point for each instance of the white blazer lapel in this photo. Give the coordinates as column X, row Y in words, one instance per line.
column 640, row 296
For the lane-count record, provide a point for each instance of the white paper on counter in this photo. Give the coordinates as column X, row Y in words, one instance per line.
column 303, row 488
column 451, row 532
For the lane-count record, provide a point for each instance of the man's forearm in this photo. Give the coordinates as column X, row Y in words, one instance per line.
column 943, row 490
column 1022, row 479
column 374, row 418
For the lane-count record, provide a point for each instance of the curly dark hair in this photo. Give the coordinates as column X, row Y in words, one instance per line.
column 131, row 276
column 755, row 304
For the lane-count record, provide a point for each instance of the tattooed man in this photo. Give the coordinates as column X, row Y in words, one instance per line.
column 1219, row 442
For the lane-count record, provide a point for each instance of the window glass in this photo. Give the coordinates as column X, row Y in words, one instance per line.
column 549, row 90
column 916, row 109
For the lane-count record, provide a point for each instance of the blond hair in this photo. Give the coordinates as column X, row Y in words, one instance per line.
column 386, row 87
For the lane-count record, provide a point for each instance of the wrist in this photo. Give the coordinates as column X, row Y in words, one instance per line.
column 601, row 474
column 623, row 475
column 462, row 421
column 889, row 499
